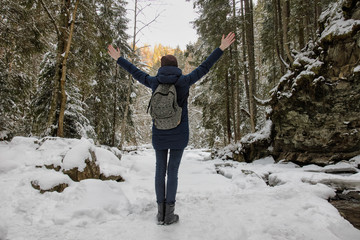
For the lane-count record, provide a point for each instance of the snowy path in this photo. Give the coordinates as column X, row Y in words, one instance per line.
column 210, row 206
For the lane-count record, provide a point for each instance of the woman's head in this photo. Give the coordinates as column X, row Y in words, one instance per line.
column 169, row 60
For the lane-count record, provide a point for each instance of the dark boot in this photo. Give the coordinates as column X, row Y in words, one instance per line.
column 170, row 217
column 161, row 213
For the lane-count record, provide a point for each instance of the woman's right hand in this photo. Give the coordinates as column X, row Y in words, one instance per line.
column 115, row 54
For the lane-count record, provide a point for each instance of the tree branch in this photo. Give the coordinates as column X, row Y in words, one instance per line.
column 261, row 102
column 51, row 17
column 141, row 9
column 287, row 66
column 246, row 112
column 143, row 47
column 146, row 25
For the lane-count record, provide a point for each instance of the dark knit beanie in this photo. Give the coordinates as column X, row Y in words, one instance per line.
column 169, row 60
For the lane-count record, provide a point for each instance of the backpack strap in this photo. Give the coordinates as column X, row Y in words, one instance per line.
column 152, row 94
column 147, row 110
column 175, row 97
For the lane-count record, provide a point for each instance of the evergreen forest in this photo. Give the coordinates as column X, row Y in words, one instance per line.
column 56, row 78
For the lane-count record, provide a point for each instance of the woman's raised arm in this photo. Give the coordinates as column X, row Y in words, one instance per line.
column 139, row 75
column 204, row 68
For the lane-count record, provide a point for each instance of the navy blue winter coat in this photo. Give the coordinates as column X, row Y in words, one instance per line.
column 176, row 138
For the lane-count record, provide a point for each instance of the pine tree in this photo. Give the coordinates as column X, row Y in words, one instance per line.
column 41, row 103
column 219, row 97
column 268, row 42
column 21, row 44
column 106, row 99
column 88, row 66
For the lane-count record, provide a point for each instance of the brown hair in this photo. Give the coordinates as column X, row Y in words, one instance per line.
column 169, row 60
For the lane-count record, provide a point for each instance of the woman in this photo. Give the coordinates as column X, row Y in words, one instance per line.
column 175, row 139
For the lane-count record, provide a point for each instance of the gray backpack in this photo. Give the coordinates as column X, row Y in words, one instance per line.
column 163, row 106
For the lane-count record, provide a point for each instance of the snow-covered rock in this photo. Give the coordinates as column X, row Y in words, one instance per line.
column 316, row 110
column 50, row 181
column 252, row 146
column 335, row 24
column 341, row 167
column 86, row 161
column 77, row 156
column 60, row 158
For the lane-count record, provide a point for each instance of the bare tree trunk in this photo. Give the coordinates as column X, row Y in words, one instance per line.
column 137, row 11
column 274, row 80
column 251, row 55
column 127, row 104
column 278, row 34
column 310, row 34
column 113, row 134
column 304, row 21
column 228, row 124
column 60, row 131
column 57, row 77
column 301, row 34
column 276, row 27
column 232, row 102
column 246, row 76
column 55, row 93
column 317, row 12
column 252, row 42
column 286, row 11
column 97, row 115
column 126, row 112
column 237, row 107
column 237, row 82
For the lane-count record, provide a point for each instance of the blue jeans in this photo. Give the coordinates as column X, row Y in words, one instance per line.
column 172, row 174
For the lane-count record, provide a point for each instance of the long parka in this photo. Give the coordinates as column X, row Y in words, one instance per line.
column 176, row 138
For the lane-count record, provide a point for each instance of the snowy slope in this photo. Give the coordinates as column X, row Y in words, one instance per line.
column 236, row 204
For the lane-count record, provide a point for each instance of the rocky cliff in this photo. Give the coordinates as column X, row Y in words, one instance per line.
column 316, row 106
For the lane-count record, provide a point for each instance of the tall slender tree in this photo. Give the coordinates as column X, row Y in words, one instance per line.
column 249, row 32
column 138, row 9
column 60, row 130
column 218, row 97
column 236, row 62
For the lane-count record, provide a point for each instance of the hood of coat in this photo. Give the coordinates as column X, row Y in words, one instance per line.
column 169, row 74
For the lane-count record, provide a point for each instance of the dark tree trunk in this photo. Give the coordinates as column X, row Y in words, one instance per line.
column 113, row 134
column 250, row 50
column 236, row 79
column 228, row 120
column 246, row 74
column 278, row 32
column 286, row 18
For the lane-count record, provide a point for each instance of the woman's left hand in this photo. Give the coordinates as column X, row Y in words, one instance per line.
column 227, row 41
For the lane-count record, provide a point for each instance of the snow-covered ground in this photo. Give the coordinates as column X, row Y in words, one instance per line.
column 236, row 204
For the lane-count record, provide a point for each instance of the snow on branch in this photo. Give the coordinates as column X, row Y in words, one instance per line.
column 245, row 111
column 287, row 66
column 51, row 17
column 262, row 102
